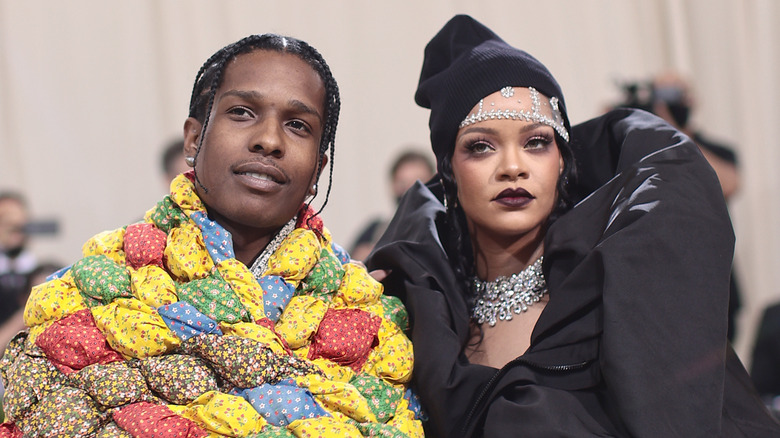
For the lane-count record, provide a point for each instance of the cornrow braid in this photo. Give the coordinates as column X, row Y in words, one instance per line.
column 566, row 180
column 333, row 108
column 457, row 243
column 210, row 75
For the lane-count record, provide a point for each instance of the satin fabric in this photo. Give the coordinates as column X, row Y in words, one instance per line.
column 633, row 339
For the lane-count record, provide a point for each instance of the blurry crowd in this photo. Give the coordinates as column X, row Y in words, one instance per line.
column 20, row 269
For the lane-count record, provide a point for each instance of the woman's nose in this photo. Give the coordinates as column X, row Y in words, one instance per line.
column 512, row 166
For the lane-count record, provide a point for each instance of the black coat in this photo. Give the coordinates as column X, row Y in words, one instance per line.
column 633, row 339
column 765, row 368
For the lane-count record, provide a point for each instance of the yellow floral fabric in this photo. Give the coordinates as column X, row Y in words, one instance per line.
column 200, row 347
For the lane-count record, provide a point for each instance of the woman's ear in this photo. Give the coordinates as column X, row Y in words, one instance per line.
column 192, row 128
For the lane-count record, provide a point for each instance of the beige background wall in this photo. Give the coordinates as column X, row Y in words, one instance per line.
column 90, row 90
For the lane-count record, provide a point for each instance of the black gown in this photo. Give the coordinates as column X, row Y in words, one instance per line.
column 633, row 339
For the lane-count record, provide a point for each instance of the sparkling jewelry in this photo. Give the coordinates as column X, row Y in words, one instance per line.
column 260, row 265
column 500, row 298
column 535, row 115
column 190, row 161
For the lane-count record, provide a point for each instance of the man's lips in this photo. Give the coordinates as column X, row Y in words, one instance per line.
column 261, row 174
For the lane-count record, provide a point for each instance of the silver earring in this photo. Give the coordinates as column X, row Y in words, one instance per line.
column 444, row 198
column 314, row 195
column 190, row 161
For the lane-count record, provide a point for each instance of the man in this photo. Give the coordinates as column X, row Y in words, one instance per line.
column 407, row 168
column 228, row 311
column 16, row 262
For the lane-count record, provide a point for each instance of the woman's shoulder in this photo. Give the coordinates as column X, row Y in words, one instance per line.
column 412, row 236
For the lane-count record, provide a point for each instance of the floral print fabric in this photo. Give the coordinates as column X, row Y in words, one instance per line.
column 282, row 403
column 346, row 336
column 178, row 378
column 148, row 420
column 144, row 245
column 74, row 342
column 160, row 332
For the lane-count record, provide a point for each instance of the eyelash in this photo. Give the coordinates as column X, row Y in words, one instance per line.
column 239, row 111
column 304, row 127
column 242, row 111
column 472, row 146
column 542, row 140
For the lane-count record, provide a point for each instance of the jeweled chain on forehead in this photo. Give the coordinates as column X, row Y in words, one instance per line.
column 535, row 115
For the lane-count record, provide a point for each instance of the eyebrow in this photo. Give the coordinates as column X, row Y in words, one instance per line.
column 484, row 130
column 254, row 95
column 302, row 107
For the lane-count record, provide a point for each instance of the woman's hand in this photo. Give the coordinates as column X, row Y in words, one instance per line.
column 379, row 274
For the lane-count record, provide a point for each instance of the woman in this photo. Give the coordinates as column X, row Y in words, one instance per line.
column 229, row 311
column 533, row 318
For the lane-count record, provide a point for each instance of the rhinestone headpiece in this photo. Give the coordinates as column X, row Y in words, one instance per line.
column 555, row 120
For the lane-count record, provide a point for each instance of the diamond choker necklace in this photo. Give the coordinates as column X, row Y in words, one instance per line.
column 507, row 295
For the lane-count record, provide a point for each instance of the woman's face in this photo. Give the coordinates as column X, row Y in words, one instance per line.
column 258, row 160
column 506, row 170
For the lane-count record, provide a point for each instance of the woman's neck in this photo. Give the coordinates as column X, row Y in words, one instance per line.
column 495, row 256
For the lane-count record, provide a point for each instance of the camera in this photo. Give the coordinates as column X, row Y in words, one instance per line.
column 645, row 95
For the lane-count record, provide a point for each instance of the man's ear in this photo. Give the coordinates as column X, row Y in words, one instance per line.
column 192, row 128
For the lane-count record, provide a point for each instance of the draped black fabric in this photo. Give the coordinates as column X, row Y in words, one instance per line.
column 633, row 339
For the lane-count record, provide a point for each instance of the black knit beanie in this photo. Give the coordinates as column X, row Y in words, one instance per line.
column 465, row 62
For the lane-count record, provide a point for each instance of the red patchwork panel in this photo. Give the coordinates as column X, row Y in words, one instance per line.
column 346, row 336
column 74, row 342
column 308, row 219
column 148, row 420
column 9, row 430
column 144, row 245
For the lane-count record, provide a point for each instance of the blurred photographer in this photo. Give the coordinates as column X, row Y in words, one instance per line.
column 673, row 101
column 16, row 262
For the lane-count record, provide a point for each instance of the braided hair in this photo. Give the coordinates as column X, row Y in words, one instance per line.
column 457, row 242
column 210, row 76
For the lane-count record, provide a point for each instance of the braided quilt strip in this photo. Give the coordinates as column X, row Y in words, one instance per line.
column 158, row 331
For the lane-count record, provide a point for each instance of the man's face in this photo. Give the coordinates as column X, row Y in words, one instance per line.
column 407, row 174
column 258, row 160
column 13, row 218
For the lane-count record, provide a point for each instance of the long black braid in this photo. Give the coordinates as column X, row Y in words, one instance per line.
column 210, row 76
column 457, row 242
